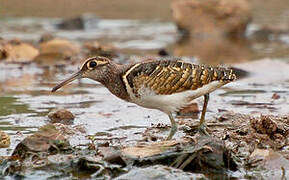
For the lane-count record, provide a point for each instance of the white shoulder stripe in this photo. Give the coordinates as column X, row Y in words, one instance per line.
column 124, row 78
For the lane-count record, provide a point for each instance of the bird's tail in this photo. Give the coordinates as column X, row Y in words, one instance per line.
column 222, row 74
column 228, row 75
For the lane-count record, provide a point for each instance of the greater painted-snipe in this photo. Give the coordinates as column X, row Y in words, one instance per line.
column 157, row 84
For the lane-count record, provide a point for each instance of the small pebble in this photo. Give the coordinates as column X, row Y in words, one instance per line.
column 62, row 116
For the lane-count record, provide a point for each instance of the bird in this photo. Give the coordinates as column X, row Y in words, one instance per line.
column 165, row 85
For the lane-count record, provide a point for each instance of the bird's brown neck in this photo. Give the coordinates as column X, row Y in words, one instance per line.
column 113, row 81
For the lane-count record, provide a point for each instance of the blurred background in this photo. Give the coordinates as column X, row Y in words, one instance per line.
column 220, row 31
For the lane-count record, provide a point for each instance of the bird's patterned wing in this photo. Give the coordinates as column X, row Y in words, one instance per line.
column 168, row 77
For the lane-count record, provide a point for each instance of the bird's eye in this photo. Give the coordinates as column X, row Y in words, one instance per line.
column 92, row 64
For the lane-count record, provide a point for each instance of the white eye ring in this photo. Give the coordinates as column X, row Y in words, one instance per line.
column 91, row 64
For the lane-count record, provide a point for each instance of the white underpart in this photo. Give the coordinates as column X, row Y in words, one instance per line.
column 171, row 103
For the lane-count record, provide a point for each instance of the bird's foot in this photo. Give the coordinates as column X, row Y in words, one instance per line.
column 202, row 129
column 174, row 129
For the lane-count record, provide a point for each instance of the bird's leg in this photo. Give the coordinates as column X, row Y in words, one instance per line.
column 174, row 126
column 202, row 126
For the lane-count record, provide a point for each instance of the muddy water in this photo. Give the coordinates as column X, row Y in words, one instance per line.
column 25, row 94
column 25, row 97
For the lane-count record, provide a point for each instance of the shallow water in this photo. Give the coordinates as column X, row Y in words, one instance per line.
column 24, row 108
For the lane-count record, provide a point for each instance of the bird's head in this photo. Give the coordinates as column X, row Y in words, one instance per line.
column 96, row 68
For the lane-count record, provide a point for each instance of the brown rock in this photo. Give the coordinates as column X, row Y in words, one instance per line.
column 275, row 96
column 62, row 116
column 17, row 51
column 264, row 125
column 97, row 49
column 214, row 17
column 2, row 52
column 46, row 139
column 76, row 23
column 4, row 140
column 149, row 150
column 205, row 154
column 56, row 49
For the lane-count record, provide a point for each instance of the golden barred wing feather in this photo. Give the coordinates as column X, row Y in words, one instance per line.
column 168, row 77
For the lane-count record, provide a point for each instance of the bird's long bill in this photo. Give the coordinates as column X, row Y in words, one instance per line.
column 77, row 75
